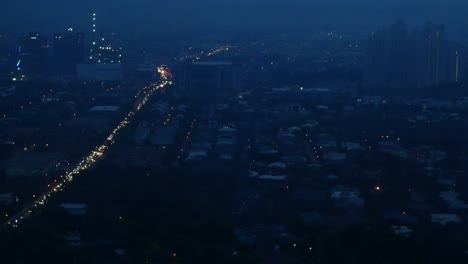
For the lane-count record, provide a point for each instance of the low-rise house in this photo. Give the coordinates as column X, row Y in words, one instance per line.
column 278, row 178
column 346, row 197
column 445, row 219
column 452, row 200
column 402, row 231
column 75, row 209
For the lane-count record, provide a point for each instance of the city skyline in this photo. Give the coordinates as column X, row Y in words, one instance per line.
column 237, row 132
column 169, row 16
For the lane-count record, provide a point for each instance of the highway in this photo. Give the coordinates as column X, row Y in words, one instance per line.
column 96, row 155
column 207, row 53
column 141, row 99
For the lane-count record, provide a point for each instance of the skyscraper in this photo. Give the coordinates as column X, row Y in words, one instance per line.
column 387, row 62
column 6, row 50
column 457, row 62
column 431, row 47
column 102, row 50
column 33, row 53
column 424, row 58
column 69, row 50
column 105, row 60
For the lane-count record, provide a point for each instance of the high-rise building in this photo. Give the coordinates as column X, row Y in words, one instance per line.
column 33, row 53
column 4, row 49
column 6, row 59
column 387, row 61
column 105, row 60
column 457, row 63
column 106, row 53
column 102, row 50
column 431, row 49
column 69, row 50
column 424, row 58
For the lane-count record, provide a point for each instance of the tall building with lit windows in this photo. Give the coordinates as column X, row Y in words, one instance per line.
column 105, row 59
column 106, row 53
column 432, row 54
column 32, row 55
column 423, row 58
column 457, row 62
column 69, row 50
column 102, row 50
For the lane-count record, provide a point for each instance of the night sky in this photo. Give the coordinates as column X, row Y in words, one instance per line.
column 202, row 15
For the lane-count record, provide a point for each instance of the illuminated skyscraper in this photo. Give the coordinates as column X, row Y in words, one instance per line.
column 102, row 51
column 33, row 53
column 105, row 61
column 92, row 50
column 457, row 69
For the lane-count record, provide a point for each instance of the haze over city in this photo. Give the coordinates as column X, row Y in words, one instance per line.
column 234, row 131
column 204, row 15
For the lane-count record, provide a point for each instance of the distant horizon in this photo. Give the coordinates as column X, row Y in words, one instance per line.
column 239, row 16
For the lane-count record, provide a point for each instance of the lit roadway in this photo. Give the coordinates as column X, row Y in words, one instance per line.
column 214, row 51
column 96, row 154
